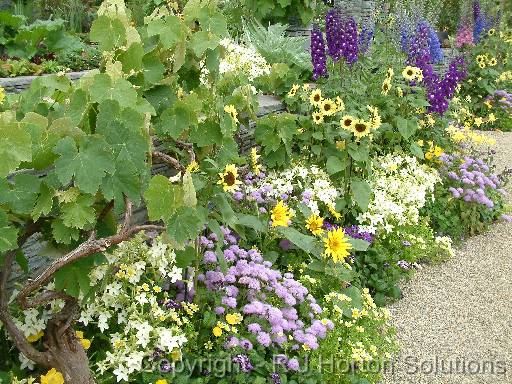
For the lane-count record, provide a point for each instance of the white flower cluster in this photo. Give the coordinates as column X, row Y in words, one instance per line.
column 401, row 187
column 239, row 58
column 444, row 244
column 310, row 185
column 128, row 306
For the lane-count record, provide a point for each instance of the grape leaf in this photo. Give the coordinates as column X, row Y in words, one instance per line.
column 89, row 165
column 15, row 145
column 186, row 223
column 44, row 202
column 63, row 234
column 79, row 213
column 162, row 198
column 108, row 33
column 8, row 234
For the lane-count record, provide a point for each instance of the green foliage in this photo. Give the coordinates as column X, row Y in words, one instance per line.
column 273, row 44
column 268, row 11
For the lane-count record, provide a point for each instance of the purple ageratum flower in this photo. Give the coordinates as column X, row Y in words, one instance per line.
column 406, row 243
column 354, row 232
column 254, row 328
column 246, row 344
column 209, row 257
column 274, row 376
column 318, row 54
column 404, row 264
column 264, row 339
column 243, row 362
column 293, row 365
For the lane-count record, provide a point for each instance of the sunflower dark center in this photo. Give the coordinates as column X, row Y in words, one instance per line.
column 327, row 107
column 360, row 127
column 409, row 72
column 229, row 179
column 317, row 97
column 348, row 122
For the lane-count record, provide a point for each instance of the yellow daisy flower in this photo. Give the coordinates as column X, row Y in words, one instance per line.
column 336, row 245
column 229, row 178
column 217, row 332
column 52, row 377
column 281, row 215
column 234, row 318
column 315, row 224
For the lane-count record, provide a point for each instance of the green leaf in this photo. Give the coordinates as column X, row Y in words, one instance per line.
column 335, row 165
column 417, row 151
column 171, row 30
column 185, row 258
column 44, row 202
column 8, row 234
column 88, row 166
column 202, row 40
column 225, row 209
column 358, row 244
column 108, row 32
column 162, row 198
column 253, row 222
column 307, row 243
column 80, row 213
column 189, row 191
column 104, row 88
column 15, row 145
column 186, row 223
column 177, row 119
column 406, row 127
column 362, row 193
column 358, row 152
column 63, row 234
column 22, row 195
column 132, row 58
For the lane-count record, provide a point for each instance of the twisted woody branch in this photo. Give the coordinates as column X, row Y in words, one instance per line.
column 63, row 350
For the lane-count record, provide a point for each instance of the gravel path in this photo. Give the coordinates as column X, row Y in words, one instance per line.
column 454, row 323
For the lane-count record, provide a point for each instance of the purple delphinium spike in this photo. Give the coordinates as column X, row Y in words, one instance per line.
column 318, row 54
column 333, row 33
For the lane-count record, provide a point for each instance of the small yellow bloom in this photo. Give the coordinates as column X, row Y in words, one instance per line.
column 481, row 65
column 86, row 343
column 234, row 318
column 341, row 145
column 293, row 90
column 145, row 287
column 492, row 62
column 232, row 112
column 491, row 118
column 340, row 105
column 315, row 224
column 52, row 377
column 390, row 73
column 386, row 86
column 333, row 212
column 161, row 381
column 2, row 95
column 281, row 215
column 420, row 143
column 438, row 151
column 157, row 289
column 491, row 32
column 36, row 337
column 193, row 167
column 478, row 121
column 399, row 92
column 360, row 329
column 217, row 331
column 429, row 155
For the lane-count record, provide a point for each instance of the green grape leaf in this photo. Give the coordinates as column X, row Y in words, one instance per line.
column 44, row 202
column 21, row 195
column 8, row 234
column 203, row 40
column 171, row 30
column 124, row 180
column 132, row 58
column 79, row 213
column 108, row 32
column 162, row 198
column 63, row 234
column 103, row 88
column 88, row 166
column 177, row 119
column 186, row 223
column 15, row 145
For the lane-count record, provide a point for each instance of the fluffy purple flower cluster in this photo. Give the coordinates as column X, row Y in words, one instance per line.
column 318, row 54
column 356, row 233
column 503, row 99
column 270, row 301
column 471, row 178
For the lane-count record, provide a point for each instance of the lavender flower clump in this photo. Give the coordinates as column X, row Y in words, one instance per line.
column 243, row 362
column 503, row 99
column 471, row 180
column 278, row 311
column 318, row 55
column 356, row 233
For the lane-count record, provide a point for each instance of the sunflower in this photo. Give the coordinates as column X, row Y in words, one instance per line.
column 328, row 107
column 386, row 86
column 376, row 120
column 480, row 59
column 361, row 128
column 318, row 117
column 481, row 65
column 340, row 105
column 409, row 73
column 390, row 73
column 347, row 122
column 492, row 62
column 281, row 215
column 399, row 92
column 315, row 224
column 232, row 112
column 491, row 32
column 336, row 245
column 315, row 98
column 229, row 178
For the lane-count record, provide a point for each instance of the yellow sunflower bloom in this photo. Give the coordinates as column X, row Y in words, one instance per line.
column 293, row 90
column 390, row 73
column 481, row 65
column 492, row 62
column 315, row 224
column 318, row 117
column 281, row 215
column 315, row 98
column 409, row 73
column 340, row 105
column 361, row 128
column 491, row 32
column 336, row 245
column 328, row 107
column 347, row 122
column 386, row 86
column 229, row 178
